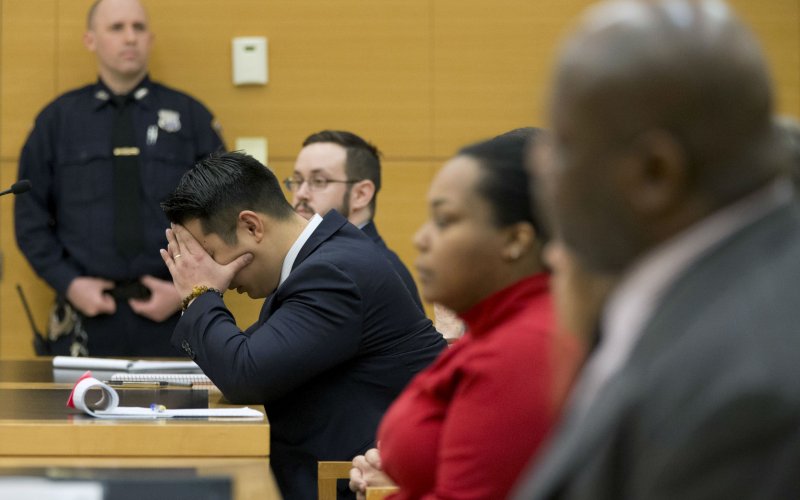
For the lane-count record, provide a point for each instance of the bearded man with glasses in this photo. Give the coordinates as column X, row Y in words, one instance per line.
column 338, row 170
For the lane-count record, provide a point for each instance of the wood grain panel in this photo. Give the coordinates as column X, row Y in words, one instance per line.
column 777, row 25
column 356, row 65
column 492, row 62
column 420, row 78
column 402, row 205
column 402, row 209
column 35, row 423
column 15, row 331
column 27, row 75
column 252, row 479
column 351, row 64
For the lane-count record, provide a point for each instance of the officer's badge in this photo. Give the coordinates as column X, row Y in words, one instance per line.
column 152, row 135
column 102, row 95
column 168, row 120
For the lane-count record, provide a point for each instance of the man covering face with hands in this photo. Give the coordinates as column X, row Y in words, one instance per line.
column 337, row 331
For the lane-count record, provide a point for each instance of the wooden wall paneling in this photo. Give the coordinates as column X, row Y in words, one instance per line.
column 420, row 78
column 75, row 65
column 402, row 205
column 27, row 78
column 357, row 65
column 15, row 331
column 492, row 62
column 403, row 208
column 27, row 83
column 777, row 25
column 192, row 52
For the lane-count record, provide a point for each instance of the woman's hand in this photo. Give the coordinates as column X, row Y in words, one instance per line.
column 367, row 471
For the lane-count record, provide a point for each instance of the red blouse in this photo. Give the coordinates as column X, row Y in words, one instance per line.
column 467, row 425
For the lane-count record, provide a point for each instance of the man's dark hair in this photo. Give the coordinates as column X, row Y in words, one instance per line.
column 221, row 186
column 363, row 159
column 505, row 181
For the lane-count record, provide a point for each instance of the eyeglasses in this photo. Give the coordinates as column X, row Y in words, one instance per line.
column 314, row 183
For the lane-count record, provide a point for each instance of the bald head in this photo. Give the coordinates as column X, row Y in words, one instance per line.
column 90, row 16
column 689, row 67
column 661, row 113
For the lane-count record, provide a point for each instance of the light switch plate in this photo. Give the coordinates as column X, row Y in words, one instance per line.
column 250, row 60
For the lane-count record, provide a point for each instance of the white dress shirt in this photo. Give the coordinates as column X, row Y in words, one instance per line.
column 294, row 251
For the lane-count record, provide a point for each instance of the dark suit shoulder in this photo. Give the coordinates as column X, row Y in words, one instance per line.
column 371, row 230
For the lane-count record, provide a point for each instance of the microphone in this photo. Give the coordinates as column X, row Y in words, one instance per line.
column 18, row 187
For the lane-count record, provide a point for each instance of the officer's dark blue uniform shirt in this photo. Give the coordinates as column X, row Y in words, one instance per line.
column 64, row 226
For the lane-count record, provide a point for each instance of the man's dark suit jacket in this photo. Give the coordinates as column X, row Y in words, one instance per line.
column 708, row 404
column 335, row 344
column 400, row 268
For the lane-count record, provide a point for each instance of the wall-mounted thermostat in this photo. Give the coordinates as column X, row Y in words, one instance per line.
column 250, row 60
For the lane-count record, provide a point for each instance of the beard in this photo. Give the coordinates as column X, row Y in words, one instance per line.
column 343, row 208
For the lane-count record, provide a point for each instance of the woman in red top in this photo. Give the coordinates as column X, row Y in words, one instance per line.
column 466, row 426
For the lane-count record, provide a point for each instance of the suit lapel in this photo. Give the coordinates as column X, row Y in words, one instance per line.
column 578, row 439
column 579, row 435
column 265, row 309
column 330, row 224
column 679, row 304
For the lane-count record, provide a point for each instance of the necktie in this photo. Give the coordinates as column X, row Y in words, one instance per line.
column 128, row 236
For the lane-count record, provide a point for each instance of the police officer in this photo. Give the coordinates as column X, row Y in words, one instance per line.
column 100, row 159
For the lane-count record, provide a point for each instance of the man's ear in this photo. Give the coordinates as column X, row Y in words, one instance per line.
column 361, row 194
column 89, row 41
column 251, row 226
column 658, row 179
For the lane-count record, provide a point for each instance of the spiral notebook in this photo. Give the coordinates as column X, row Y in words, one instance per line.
column 182, row 378
column 107, row 405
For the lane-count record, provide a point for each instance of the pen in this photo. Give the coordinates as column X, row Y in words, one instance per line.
column 150, row 384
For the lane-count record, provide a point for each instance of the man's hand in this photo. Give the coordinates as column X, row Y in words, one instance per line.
column 190, row 265
column 367, row 471
column 164, row 300
column 87, row 296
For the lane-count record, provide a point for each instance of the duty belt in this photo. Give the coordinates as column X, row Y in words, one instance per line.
column 130, row 289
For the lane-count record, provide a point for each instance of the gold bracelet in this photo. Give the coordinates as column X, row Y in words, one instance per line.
column 197, row 291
